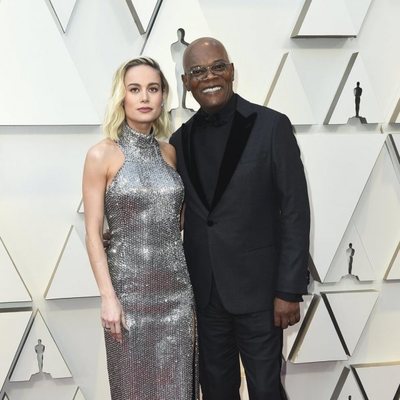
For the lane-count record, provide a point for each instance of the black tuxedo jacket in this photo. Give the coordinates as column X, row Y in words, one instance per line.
column 254, row 237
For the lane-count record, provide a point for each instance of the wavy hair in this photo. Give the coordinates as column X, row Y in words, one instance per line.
column 115, row 113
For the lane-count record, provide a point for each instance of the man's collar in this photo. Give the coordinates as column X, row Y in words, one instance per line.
column 202, row 118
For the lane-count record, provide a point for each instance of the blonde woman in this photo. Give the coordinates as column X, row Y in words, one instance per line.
column 147, row 306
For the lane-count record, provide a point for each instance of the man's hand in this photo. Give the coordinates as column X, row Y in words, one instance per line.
column 286, row 313
column 106, row 239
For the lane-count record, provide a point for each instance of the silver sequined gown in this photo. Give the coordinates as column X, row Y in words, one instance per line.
column 157, row 357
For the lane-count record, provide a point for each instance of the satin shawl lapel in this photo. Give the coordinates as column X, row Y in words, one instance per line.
column 240, row 132
column 187, row 140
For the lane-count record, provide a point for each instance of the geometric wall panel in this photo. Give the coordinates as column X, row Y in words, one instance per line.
column 319, row 341
column 313, row 66
column 393, row 272
column 351, row 257
column 377, row 215
column 42, row 387
column 12, row 287
column 81, row 208
column 337, row 169
column 312, row 381
column 296, row 105
column 72, row 276
column 380, row 381
column 78, row 395
column 39, row 355
column 191, row 18
column 39, row 66
column 143, row 12
column 395, row 117
column 63, row 10
column 350, row 312
column 331, row 18
column 12, row 327
column 292, row 332
column 396, row 140
column 343, row 106
column 347, row 387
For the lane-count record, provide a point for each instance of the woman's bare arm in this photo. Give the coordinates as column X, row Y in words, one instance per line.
column 94, row 187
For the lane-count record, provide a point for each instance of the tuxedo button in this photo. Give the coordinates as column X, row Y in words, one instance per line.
column 210, row 222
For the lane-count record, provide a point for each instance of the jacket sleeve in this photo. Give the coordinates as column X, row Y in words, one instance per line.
column 294, row 212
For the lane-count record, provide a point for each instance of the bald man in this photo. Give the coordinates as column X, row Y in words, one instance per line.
column 246, row 227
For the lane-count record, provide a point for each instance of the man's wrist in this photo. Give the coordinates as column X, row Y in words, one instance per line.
column 292, row 297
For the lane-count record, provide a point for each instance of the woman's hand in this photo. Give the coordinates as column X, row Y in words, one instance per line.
column 112, row 317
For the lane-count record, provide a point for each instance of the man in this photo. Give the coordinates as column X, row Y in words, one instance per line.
column 246, row 227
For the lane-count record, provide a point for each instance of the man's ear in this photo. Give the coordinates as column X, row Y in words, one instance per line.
column 233, row 72
column 186, row 82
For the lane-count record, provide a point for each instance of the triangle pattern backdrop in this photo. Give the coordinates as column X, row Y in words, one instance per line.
column 81, row 208
column 78, row 395
column 377, row 216
column 13, row 325
column 393, row 272
column 73, row 276
column 27, row 363
column 347, row 387
column 380, row 381
column 63, row 10
column 320, row 341
column 296, row 105
column 142, row 12
column 343, row 106
column 331, row 18
column 313, row 66
column 354, row 259
column 42, row 388
column 351, row 311
column 395, row 117
column 334, row 194
column 396, row 140
column 36, row 59
column 12, row 287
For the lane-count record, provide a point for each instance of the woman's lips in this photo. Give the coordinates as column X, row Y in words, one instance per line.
column 145, row 109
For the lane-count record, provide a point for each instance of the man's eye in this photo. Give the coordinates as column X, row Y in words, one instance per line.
column 218, row 67
column 198, row 71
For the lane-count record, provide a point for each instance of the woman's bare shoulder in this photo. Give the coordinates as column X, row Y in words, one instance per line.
column 102, row 150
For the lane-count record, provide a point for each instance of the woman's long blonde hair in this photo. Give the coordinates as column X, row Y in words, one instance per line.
column 115, row 113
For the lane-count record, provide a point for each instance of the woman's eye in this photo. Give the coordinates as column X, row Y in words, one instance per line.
column 134, row 90
column 153, row 89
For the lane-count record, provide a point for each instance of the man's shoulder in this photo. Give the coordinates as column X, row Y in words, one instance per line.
column 265, row 111
column 176, row 136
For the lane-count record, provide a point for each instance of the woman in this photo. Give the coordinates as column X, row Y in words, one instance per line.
column 147, row 306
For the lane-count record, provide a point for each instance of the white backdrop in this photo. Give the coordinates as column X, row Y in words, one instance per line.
column 55, row 76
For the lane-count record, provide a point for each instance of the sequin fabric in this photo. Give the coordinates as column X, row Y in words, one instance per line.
column 157, row 359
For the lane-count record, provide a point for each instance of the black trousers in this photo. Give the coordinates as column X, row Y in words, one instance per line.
column 222, row 337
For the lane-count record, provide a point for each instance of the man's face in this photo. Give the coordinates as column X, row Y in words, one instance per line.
column 213, row 90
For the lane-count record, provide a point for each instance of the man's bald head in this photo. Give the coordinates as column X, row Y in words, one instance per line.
column 200, row 45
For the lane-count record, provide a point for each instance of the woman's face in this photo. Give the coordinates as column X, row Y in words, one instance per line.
column 143, row 97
